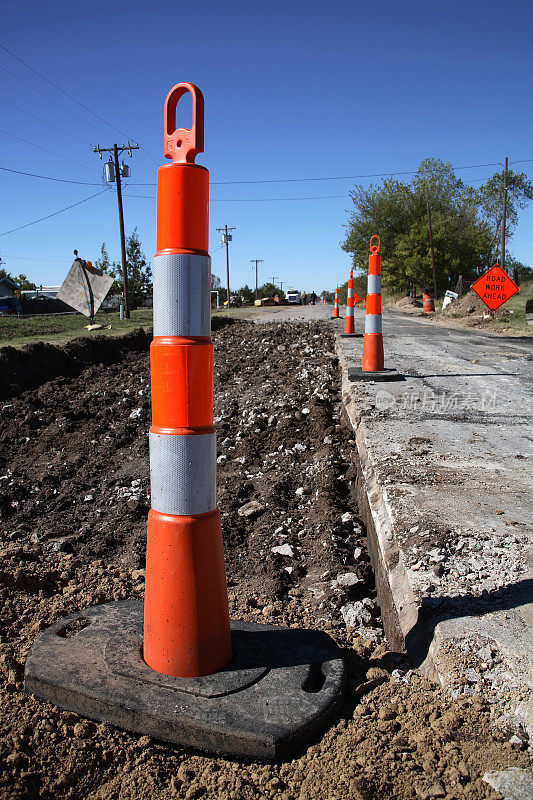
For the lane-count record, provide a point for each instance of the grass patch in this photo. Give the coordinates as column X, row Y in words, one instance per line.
column 17, row 331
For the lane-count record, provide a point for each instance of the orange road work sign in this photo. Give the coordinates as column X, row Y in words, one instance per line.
column 495, row 287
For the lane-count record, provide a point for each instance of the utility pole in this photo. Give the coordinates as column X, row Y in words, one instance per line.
column 273, row 279
column 432, row 251
column 256, row 261
column 504, row 215
column 226, row 239
column 114, row 172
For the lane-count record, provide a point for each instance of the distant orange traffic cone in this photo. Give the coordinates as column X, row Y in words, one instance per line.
column 349, row 325
column 186, row 617
column 351, row 300
column 336, row 309
column 373, row 360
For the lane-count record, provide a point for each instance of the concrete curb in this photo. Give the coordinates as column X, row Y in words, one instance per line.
column 438, row 633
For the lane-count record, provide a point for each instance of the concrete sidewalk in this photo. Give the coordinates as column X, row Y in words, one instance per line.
column 445, row 487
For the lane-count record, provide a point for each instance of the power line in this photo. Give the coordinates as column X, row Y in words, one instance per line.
column 59, row 89
column 48, row 177
column 347, row 177
column 43, row 121
column 70, row 97
column 54, row 214
column 39, row 147
column 50, row 99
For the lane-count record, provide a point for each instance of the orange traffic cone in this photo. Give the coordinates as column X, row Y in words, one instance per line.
column 282, row 685
column 373, row 359
column 351, row 300
column 336, row 307
column 186, row 617
column 349, row 325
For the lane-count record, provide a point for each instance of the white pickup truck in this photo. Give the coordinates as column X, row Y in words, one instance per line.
column 294, row 296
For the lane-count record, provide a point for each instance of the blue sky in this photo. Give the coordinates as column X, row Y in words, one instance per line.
column 299, row 89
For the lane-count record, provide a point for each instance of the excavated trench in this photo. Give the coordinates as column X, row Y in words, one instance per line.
column 74, row 496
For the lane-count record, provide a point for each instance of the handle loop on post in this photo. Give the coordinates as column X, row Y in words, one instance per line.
column 183, row 145
column 374, row 248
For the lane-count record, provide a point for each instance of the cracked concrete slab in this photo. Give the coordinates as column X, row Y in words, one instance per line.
column 445, row 480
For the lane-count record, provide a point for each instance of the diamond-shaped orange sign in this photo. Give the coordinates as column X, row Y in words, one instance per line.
column 495, row 287
column 356, row 298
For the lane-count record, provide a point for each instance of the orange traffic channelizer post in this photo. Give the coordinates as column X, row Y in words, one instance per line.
column 336, row 308
column 186, row 617
column 186, row 674
column 373, row 366
column 349, row 324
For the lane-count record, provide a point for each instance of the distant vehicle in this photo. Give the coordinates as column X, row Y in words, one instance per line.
column 10, row 307
column 236, row 301
column 294, row 296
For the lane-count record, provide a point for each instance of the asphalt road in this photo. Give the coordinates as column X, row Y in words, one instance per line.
column 412, row 340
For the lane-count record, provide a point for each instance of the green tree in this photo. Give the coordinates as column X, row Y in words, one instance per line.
column 24, row 283
column 398, row 213
column 139, row 272
column 246, row 293
column 102, row 262
column 267, row 290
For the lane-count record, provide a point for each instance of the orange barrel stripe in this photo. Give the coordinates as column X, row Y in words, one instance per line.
column 182, row 388
column 349, row 326
column 428, row 304
column 182, row 208
column 336, row 309
column 373, row 357
column 186, row 617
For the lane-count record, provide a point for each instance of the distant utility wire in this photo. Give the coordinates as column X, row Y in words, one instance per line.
column 343, row 177
column 44, row 122
column 59, row 89
column 50, row 99
column 54, row 214
column 69, row 96
column 48, row 177
column 51, row 152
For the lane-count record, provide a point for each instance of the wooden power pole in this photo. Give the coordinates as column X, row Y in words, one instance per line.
column 226, row 239
column 504, row 216
column 432, row 251
column 115, row 175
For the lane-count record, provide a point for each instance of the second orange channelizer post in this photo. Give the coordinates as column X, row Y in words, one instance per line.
column 186, row 617
column 373, row 359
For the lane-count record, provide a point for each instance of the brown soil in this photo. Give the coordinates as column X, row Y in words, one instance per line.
column 73, row 504
column 407, row 304
column 471, row 305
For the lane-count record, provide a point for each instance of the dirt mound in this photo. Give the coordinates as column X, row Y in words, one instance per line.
column 471, row 305
column 34, row 364
column 74, row 500
column 407, row 304
column 467, row 305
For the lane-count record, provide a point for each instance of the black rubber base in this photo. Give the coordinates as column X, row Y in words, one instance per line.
column 352, row 335
column 338, row 318
column 357, row 374
column 281, row 688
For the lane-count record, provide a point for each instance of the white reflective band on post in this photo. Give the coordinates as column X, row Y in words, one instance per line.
column 349, row 311
column 350, row 292
column 183, row 473
column 182, row 295
column 374, row 284
column 373, row 323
